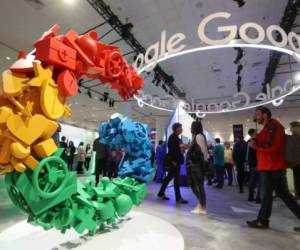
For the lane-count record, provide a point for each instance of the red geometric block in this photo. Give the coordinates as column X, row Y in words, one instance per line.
column 67, row 83
column 54, row 52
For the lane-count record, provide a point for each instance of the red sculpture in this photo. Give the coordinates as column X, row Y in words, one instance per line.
column 74, row 56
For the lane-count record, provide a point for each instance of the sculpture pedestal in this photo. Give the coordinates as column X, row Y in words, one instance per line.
column 137, row 231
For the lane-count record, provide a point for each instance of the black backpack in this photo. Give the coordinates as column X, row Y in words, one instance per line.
column 195, row 154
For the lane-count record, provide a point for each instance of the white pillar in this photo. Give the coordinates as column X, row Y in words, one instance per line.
column 161, row 125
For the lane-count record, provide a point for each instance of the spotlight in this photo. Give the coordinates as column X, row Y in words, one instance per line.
column 111, row 103
column 239, row 87
column 158, row 80
column 239, row 79
column 105, row 96
column 169, row 79
column 89, row 93
column 239, row 56
column 238, row 83
column 164, row 88
column 239, row 69
column 126, row 29
column 80, row 82
column 240, row 3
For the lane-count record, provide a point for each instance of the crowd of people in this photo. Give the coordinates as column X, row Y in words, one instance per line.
column 260, row 164
column 106, row 159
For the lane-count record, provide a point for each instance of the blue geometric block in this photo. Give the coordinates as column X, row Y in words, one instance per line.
column 122, row 132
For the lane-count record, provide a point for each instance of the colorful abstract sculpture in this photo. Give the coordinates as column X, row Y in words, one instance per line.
column 123, row 133
column 33, row 96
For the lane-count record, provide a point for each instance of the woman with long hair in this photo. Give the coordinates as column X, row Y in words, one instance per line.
column 197, row 158
column 69, row 154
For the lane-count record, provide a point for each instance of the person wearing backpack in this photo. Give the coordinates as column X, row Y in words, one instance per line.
column 270, row 151
column 293, row 154
column 197, row 157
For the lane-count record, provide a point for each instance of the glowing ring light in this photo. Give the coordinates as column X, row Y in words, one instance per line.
column 233, row 44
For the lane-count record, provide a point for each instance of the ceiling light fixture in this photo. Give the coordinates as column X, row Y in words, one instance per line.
column 89, row 93
column 105, row 96
column 8, row 58
column 239, row 69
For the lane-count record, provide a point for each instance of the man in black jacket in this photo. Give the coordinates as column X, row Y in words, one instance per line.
column 252, row 163
column 239, row 157
column 175, row 151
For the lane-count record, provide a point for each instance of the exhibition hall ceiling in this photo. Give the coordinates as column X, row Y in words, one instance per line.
column 206, row 76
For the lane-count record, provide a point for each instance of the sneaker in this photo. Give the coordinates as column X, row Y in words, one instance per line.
column 182, row 201
column 199, row 210
column 163, row 197
column 297, row 229
column 196, row 210
column 258, row 224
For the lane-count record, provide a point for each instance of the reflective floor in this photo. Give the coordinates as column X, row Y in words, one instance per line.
column 223, row 228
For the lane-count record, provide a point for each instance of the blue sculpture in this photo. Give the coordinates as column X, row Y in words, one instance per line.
column 121, row 132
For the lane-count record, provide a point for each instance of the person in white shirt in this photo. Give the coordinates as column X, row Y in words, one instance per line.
column 197, row 157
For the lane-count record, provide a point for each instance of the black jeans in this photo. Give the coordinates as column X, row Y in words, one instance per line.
column 79, row 167
column 173, row 173
column 113, row 169
column 220, row 175
column 87, row 163
column 275, row 180
column 254, row 183
column 240, row 175
column 296, row 172
column 100, row 169
column 228, row 167
column 197, row 184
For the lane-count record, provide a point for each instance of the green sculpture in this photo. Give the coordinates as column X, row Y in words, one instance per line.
column 53, row 198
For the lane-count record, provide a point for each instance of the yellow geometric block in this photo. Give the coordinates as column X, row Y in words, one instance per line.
column 45, row 148
column 17, row 164
column 41, row 74
column 13, row 83
column 28, row 131
column 52, row 102
column 33, row 97
column 50, row 129
column 5, row 150
column 31, row 162
column 19, row 151
column 67, row 112
column 5, row 112
column 6, row 169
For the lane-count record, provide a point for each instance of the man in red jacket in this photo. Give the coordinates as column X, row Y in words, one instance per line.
column 270, row 150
